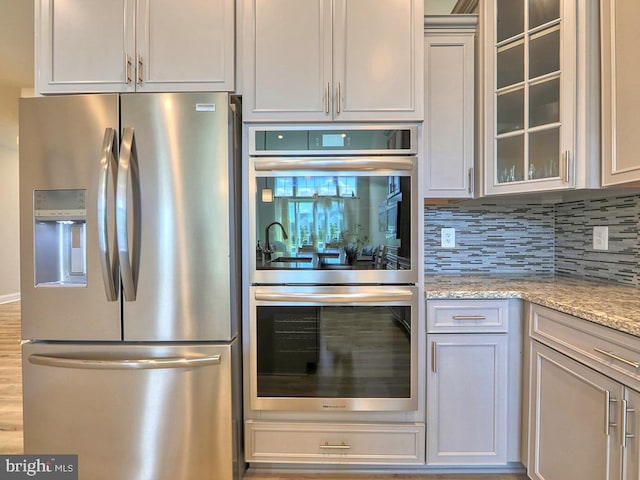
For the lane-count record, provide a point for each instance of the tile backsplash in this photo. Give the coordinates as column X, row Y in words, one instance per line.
column 537, row 239
column 574, row 253
column 490, row 238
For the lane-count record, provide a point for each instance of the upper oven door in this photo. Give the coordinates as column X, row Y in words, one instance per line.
column 338, row 219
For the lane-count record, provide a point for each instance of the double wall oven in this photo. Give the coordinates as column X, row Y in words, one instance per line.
column 333, row 296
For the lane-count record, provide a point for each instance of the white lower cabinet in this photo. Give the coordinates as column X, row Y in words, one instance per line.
column 571, row 438
column 334, row 443
column 631, row 429
column 583, row 400
column 467, row 399
column 474, row 350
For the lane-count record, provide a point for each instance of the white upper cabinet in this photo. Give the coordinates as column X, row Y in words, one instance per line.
column 90, row 46
column 449, row 84
column 333, row 60
column 541, row 85
column 620, row 93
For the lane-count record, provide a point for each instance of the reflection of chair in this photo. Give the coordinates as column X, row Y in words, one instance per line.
column 333, row 246
column 380, row 258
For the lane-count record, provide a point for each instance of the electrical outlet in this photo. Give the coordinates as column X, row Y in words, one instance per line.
column 601, row 238
column 448, row 237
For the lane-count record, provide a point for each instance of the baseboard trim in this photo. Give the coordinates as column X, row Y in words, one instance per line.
column 12, row 297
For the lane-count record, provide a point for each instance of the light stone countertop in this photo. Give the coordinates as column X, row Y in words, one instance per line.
column 609, row 304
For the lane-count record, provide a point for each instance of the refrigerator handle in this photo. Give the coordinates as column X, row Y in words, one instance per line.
column 127, row 173
column 123, row 364
column 107, row 169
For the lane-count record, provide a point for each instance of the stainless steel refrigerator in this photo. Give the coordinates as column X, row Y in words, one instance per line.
column 129, row 223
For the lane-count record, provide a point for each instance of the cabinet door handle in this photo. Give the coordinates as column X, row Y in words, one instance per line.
column 327, row 98
column 128, row 66
column 608, row 399
column 139, row 70
column 625, row 421
column 618, row 358
column 341, row 446
column 434, row 357
column 469, row 317
column 471, row 181
column 339, row 97
column 566, row 161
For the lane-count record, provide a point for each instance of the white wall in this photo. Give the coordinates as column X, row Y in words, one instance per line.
column 9, row 226
column 438, row 7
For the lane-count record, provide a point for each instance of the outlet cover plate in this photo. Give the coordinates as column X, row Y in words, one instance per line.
column 448, row 238
column 601, row 238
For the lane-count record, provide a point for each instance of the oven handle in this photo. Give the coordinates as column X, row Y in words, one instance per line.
column 333, row 164
column 336, row 298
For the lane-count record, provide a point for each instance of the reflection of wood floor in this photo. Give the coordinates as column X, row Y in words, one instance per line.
column 11, row 412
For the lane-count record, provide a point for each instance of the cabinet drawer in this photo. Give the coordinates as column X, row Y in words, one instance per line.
column 460, row 316
column 613, row 353
column 389, row 444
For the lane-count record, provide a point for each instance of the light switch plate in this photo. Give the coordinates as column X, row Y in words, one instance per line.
column 601, row 238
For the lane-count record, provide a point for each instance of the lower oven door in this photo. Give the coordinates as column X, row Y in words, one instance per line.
column 344, row 348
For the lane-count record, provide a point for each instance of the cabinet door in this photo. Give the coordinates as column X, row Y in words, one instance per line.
column 574, row 420
column 467, row 399
column 287, row 68
column 378, row 61
column 185, row 46
column 620, row 93
column 449, row 110
column 632, row 433
column 83, row 46
column 531, row 95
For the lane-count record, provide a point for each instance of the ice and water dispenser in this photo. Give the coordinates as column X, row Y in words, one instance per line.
column 60, row 238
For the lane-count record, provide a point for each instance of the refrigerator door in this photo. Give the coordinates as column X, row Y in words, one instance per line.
column 69, row 280
column 134, row 412
column 176, row 184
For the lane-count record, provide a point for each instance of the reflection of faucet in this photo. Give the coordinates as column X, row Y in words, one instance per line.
column 267, row 247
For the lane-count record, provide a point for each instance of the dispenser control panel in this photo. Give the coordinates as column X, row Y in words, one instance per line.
column 60, row 205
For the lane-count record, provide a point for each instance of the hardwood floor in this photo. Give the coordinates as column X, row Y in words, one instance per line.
column 10, row 380
column 11, row 414
column 257, row 475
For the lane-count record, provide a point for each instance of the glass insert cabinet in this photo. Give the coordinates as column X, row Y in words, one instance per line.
column 530, row 55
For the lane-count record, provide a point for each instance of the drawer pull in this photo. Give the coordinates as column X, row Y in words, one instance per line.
column 616, row 357
column 469, row 317
column 342, row 446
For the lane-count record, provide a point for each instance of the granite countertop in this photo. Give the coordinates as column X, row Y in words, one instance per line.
column 612, row 305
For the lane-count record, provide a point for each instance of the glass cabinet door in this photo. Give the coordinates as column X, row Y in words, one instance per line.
column 527, row 92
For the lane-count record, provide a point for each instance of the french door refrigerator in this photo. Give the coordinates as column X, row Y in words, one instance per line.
column 130, row 283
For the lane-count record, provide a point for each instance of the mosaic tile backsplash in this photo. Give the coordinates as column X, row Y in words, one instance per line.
column 490, row 239
column 574, row 253
column 537, row 239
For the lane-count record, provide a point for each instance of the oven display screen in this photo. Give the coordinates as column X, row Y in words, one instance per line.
column 333, row 140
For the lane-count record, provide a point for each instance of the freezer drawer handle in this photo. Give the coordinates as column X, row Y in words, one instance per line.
column 127, row 168
column 137, row 364
column 107, row 166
